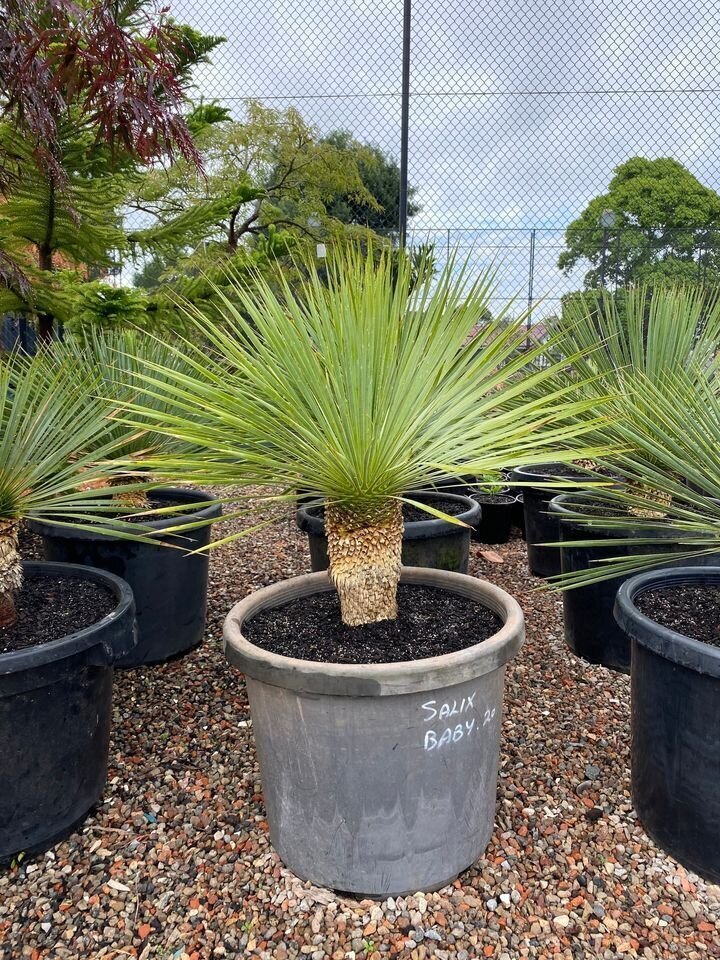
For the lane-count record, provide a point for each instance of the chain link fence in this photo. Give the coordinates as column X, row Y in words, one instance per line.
column 518, row 111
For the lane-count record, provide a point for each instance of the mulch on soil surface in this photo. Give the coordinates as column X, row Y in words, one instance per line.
column 692, row 610
column 176, row 862
column 50, row 608
column 430, row 623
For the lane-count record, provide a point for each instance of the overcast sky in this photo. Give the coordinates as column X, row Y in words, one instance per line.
column 519, row 111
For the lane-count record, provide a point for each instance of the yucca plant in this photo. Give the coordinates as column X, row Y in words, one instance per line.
column 57, row 446
column 669, row 477
column 359, row 388
column 110, row 368
column 636, row 335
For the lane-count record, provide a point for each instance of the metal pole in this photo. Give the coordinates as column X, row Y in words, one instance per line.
column 405, row 121
column 531, row 284
column 603, row 261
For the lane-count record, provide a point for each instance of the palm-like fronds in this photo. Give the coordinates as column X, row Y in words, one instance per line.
column 673, row 455
column 111, row 368
column 56, row 450
column 360, row 390
column 633, row 336
column 56, row 444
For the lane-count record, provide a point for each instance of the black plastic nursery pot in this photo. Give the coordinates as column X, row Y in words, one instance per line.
column 496, row 517
column 591, row 631
column 426, row 543
column 541, row 526
column 675, row 692
column 518, row 513
column 170, row 587
column 55, row 716
column 379, row 779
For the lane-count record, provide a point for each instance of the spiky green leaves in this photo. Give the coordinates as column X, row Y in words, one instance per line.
column 360, row 385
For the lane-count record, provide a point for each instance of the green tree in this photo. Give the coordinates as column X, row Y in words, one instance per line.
column 61, row 203
column 666, row 228
column 380, row 175
column 269, row 189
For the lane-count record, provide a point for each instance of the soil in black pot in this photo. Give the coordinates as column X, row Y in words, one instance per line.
column 497, row 498
column 693, row 611
column 413, row 514
column 430, row 623
column 50, row 608
column 567, row 472
column 158, row 504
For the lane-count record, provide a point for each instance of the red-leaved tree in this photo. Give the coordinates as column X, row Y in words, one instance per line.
column 118, row 65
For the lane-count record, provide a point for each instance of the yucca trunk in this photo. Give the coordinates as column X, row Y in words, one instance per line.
column 130, row 499
column 10, row 571
column 365, row 561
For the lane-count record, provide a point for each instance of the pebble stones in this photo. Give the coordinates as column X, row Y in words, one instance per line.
column 176, row 862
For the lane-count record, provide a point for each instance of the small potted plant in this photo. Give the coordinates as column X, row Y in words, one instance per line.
column 375, row 689
column 62, row 626
column 640, row 337
column 497, row 506
column 169, row 585
column 670, row 613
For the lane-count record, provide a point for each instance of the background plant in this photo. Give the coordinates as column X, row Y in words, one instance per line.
column 672, row 456
column 91, row 93
column 57, row 447
column 638, row 335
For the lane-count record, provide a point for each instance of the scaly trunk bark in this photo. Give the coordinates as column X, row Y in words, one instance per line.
column 45, row 262
column 131, row 499
column 365, row 563
column 663, row 501
column 10, row 571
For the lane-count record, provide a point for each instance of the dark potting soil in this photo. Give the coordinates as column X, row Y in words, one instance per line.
column 50, row 608
column 565, row 472
column 413, row 514
column 599, row 508
column 155, row 503
column 693, row 611
column 430, row 622
column 491, row 498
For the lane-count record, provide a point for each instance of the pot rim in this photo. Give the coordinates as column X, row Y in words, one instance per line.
column 664, row 641
column 414, row 529
column 525, row 474
column 42, row 654
column 47, row 528
column 559, row 507
column 378, row 679
column 494, row 499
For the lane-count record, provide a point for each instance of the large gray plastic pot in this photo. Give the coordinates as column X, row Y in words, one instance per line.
column 426, row 543
column 379, row 780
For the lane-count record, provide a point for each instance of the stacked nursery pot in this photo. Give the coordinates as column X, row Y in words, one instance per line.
column 427, row 541
column 169, row 585
column 541, row 525
column 56, row 699
column 670, row 617
column 591, row 631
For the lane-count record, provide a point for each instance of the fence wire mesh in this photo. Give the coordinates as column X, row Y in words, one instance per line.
column 519, row 111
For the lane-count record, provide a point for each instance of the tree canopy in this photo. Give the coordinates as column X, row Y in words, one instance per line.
column 91, row 93
column 666, row 228
column 380, row 175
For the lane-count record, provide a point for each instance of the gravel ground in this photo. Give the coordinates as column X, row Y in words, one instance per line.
column 176, row 862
